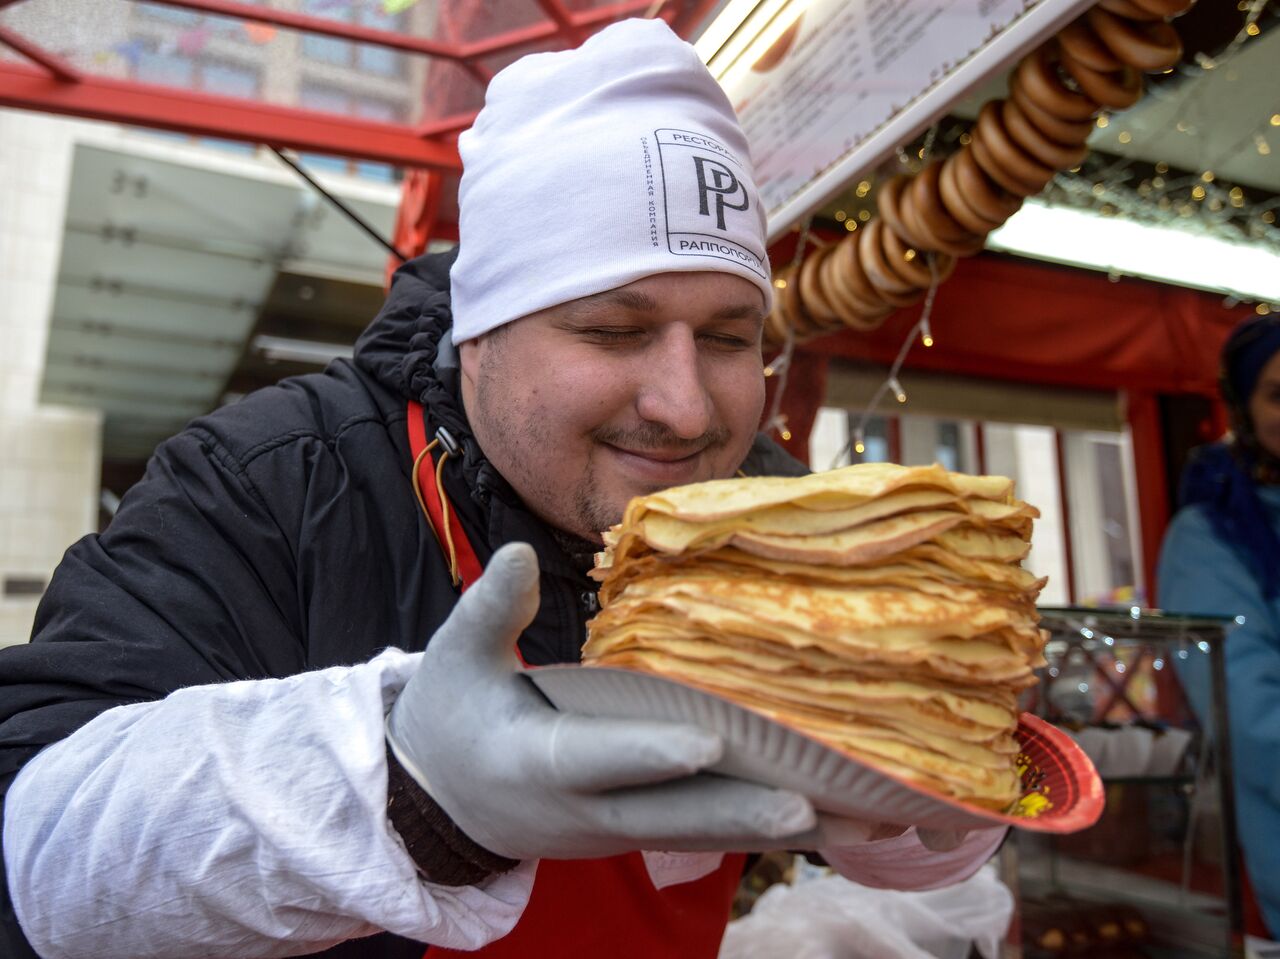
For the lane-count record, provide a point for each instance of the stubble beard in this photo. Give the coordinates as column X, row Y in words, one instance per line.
column 515, row 445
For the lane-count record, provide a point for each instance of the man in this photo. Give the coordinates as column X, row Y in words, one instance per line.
column 236, row 767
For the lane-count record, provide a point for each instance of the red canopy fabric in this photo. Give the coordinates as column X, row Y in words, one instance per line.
column 1017, row 320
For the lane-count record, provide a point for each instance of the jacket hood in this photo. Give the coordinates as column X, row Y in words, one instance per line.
column 402, row 348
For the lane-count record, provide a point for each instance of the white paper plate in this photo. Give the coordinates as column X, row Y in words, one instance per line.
column 762, row 750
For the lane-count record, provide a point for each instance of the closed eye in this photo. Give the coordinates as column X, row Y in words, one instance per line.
column 729, row 341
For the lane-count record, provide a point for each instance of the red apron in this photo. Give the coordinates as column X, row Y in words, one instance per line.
column 585, row 907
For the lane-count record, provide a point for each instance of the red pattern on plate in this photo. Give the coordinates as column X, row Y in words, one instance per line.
column 764, row 749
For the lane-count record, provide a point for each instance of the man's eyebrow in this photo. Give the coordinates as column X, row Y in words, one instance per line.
column 644, row 303
column 739, row 311
column 627, row 299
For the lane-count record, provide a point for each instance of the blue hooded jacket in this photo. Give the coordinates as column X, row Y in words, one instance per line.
column 1221, row 556
column 1200, row 573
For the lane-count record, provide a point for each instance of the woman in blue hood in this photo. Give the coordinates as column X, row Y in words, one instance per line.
column 1222, row 556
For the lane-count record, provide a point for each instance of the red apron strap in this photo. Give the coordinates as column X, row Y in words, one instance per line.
column 611, row 908
column 469, row 568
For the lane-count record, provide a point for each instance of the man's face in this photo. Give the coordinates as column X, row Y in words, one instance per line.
column 587, row 404
column 1264, row 407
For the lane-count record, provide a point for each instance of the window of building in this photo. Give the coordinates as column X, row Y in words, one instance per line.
column 229, row 80
column 181, row 18
column 168, row 68
column 832, row 441
column 358, row 56
column 187, row 19
column 946, row 447
column 875, row 442
column 158, row 63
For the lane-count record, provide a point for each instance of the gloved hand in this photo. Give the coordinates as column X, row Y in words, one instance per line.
column 526, row 781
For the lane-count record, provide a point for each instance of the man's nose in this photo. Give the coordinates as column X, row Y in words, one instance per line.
column 672, row 391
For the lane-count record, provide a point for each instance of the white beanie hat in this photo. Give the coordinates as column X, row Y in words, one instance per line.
column 593, row 168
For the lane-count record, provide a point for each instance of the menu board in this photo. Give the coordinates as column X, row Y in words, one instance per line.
column 847, row 81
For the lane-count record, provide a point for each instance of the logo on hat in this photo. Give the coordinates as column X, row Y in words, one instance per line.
column 716, row 179
column 708, row 199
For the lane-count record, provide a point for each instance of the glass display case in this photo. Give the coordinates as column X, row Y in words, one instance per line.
column 1158, row 875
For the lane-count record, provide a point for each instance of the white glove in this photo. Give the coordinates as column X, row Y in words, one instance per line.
column 526, row 781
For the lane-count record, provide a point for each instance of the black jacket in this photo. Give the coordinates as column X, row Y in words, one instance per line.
column 281, row 534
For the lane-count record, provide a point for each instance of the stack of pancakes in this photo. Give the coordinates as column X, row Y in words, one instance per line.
column 878, row 608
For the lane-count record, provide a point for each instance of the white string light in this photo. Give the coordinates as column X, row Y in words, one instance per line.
column 858, row 441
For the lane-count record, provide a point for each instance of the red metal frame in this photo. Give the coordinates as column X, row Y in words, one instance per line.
column 204, row 114
column 418, row 219
column 55, row 86
column 54, row 64
column 305, row 23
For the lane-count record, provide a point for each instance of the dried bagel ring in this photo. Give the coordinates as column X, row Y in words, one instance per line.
column 924, row 207
column 1080, row 41
column 848, row 270
column 1129, row 9
column 957, row 204
column 794, row 307
column 812, row 294
column 1003, row 162
column 889, row 205
column 1162, row 8
column 858, row 316
column 875, row 261
column 1066, row 132
column 1146, row 46
column 891, row 287
column 997, row 171
column 855, row 312
column 987, row 200
column 918, row 268
column 922, row 204
column 1039, row 78
column 1119, row 90
column 907, row 262
column 848, row 288
column 1028, row 136
column 1016, row 161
